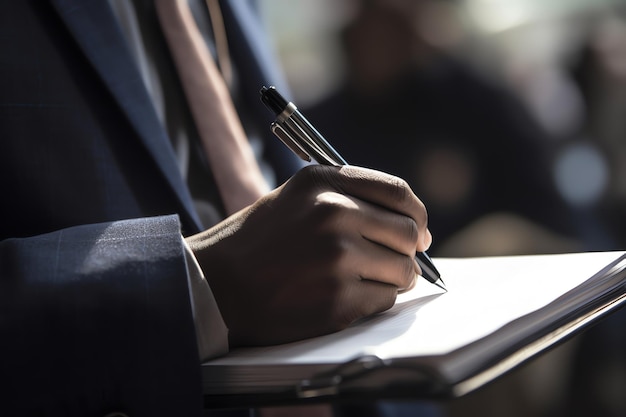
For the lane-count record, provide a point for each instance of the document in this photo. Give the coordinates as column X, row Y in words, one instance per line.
column 497, row 313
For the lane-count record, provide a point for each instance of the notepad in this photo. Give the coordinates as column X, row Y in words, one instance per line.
column 498, row 312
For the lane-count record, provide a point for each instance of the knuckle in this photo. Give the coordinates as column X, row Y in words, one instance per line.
column 335, row 252
column 407, row 272
column 328, row 205
column 411, row 229
column 331, row 208
column 399, row 189
column 423, row 214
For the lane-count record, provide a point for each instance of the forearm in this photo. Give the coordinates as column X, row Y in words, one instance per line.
column 98, row 316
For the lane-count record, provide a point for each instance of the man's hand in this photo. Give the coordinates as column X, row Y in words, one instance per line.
column 328, row 247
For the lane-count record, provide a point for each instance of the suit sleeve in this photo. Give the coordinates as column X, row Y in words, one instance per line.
column 97, row 319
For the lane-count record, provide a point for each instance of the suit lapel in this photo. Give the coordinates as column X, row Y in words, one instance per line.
column 94, row 28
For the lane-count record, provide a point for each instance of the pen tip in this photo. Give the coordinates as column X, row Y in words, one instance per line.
column 440, row 284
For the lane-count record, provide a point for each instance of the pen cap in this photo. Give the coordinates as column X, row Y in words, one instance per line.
column 273, row 100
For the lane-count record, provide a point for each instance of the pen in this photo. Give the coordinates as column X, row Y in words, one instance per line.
column 295, row 131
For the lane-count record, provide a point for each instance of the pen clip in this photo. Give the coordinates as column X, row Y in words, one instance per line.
column 308, row 143
column 288, row 140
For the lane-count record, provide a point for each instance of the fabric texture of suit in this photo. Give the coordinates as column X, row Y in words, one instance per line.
column 94, row 303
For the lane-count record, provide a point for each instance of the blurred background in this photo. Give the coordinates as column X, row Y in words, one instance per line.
column 508, row 118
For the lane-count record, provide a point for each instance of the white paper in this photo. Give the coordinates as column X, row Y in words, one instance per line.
column 483, row 295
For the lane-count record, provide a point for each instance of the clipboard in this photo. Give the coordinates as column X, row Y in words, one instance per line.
column 587, row 287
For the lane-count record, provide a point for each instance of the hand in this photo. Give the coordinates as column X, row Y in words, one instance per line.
column 328, row 247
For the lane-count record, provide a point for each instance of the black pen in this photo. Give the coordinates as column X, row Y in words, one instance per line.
column 304, row 140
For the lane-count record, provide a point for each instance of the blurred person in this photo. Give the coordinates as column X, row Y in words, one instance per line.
column 599, row 70
column 466, row 144
column 477, row 156
column 600, row 73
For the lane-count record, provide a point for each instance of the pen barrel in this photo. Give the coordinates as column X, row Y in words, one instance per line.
column 306, row 130
column 293, row 122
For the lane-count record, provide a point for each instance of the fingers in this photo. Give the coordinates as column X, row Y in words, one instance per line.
column 389, row 192
column 365, row 299
column 395, row 231
column 374, row 262
column 378, row 244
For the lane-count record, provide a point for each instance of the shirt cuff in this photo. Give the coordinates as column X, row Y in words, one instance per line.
column 211, row 331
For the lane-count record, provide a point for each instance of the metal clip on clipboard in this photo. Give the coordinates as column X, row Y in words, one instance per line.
column 368, row 372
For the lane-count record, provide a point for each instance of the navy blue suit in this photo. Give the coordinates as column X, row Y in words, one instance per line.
column 94, row 306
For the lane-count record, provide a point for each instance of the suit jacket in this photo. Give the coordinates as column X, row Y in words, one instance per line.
column 94, row 306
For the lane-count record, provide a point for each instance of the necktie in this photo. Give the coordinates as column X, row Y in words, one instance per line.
column 233, row 164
